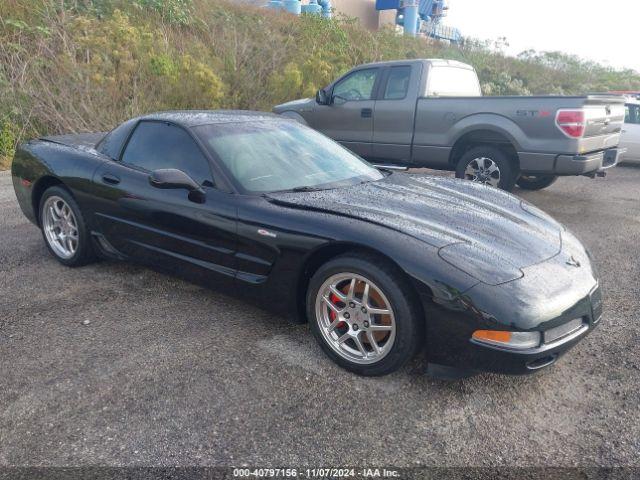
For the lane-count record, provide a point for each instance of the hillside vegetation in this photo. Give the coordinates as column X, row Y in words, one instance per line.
column 82, row 65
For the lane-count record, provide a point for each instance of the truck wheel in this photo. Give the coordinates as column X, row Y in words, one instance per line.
column 487, row 165
column 536, row 182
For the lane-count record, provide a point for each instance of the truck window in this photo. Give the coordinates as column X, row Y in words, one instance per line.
column 397, row 83
column 632, row 114
column 453, row 82
column 357, row 86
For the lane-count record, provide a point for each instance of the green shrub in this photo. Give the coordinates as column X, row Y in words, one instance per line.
column 172, row 11
column 81, row 65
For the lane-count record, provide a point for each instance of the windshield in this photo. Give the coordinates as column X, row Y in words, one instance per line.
column 276, row 156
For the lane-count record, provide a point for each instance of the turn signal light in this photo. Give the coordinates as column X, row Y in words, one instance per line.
column 515, row 340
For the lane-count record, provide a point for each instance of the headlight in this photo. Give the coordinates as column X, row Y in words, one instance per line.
column 513, row 340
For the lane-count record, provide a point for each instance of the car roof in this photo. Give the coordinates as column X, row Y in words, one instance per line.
column 193, row 118
column 436, row 62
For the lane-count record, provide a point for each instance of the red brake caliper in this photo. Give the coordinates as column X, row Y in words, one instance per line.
column 332, row 315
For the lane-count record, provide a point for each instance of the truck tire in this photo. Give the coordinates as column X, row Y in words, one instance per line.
column 487, row 165
column 536, row 182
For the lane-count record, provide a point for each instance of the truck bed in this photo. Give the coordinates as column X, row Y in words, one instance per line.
column 530, row 123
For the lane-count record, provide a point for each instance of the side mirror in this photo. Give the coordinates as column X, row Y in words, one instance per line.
column 322, row 98
column 172, row 178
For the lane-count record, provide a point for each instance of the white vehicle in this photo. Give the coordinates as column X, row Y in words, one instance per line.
column 631, row 132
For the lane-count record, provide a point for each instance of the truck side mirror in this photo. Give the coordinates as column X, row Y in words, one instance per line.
column 322, row 98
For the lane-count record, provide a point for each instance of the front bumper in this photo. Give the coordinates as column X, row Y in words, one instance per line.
column 450, row 347
column 523, row 362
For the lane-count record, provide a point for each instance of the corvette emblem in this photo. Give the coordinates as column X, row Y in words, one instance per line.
column 573, row 262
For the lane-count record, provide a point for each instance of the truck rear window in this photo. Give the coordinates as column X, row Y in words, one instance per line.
column 452, row 82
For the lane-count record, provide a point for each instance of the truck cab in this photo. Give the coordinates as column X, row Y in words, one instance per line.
column 382, row 93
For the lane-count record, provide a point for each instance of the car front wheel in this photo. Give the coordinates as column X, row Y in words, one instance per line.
column 362, row 315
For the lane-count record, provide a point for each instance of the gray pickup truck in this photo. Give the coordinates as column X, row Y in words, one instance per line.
column 431, row 113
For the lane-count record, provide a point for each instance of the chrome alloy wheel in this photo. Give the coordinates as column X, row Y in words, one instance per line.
column 483, row 170
column 60, row 227
column 355, row 318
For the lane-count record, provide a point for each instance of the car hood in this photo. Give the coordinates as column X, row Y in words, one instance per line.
column 485, row 232
column 295, row 105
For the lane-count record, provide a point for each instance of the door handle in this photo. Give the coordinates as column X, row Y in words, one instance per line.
column 110, row 179
column 366, row 113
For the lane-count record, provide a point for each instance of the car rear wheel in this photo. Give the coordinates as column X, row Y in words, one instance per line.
column 536, row 182
column 487, row 165
column 362, row 315
column 64, row 229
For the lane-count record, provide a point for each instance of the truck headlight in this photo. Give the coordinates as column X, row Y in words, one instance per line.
column 513, row 340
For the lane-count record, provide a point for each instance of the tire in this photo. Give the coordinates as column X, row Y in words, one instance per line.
column 536, row 182
column 70, row 223
column 398, row 336
column 486, row 158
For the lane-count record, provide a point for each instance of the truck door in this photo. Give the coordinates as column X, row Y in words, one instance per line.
column 349, row 116
column 394, row 114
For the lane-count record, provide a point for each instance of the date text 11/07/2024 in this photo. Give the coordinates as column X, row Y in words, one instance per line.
column 315, row 473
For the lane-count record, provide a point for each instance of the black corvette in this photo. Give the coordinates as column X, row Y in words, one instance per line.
column 381, row 264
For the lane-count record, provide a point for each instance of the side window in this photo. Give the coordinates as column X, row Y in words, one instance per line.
column 398, row 83
column 632, row 114
column 156, row 145
column 111, row 144
column 357, row 86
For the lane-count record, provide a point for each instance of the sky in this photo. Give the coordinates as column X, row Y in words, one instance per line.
column 607, row 31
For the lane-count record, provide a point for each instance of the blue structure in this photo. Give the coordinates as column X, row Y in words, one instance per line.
column 410, row 17
column 416, row 16
column 316, row 7
column 429, row 12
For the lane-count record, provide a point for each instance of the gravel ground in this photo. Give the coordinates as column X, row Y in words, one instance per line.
column 167, row 373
